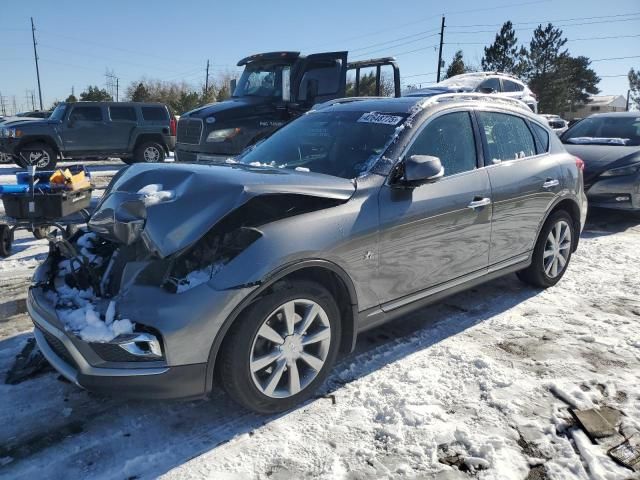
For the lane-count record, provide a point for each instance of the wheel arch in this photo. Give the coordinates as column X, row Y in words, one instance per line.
column 150, row 137
column 47, row 140
column 328, row 274
column 570, row 206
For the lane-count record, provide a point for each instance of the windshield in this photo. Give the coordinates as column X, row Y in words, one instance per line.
column 343, row 144
column 605, row 130
column 261, row 80
column 58, row 113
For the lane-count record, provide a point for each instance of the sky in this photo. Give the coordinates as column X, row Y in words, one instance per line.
column 80, row 40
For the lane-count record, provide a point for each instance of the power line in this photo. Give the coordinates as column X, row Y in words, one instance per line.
column 550, row 21
column 397, row 39
column 393, row 46
column 615, row 58
column 563, row 26
column 568, row 39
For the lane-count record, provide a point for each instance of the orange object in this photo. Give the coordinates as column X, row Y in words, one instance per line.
column 71, row 181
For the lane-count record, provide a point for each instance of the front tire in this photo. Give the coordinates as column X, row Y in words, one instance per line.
column 149, row 152
column 6, row 240
column 39, row 154
column 281, row 348
column 552, row 252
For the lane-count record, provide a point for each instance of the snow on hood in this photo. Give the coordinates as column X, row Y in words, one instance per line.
column 201, row 195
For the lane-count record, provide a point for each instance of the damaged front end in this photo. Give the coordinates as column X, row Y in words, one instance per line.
column 162, row 232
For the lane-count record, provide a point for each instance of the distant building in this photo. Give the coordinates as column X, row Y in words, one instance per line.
column 597, row 104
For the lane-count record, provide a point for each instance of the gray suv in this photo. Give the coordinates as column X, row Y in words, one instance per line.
column 134, row 132
column 257, row 272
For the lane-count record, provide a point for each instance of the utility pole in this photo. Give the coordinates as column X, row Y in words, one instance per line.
column 35, row 54
column 440, row 51
column 117, row 88
column 206, row 80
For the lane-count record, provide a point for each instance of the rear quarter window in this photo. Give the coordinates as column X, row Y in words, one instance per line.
column 543, row 136
column 122, row 113
column 155, row 114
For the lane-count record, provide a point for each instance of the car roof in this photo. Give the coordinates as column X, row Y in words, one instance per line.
column 372, row 104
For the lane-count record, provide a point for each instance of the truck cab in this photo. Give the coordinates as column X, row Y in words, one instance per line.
column 273, row 89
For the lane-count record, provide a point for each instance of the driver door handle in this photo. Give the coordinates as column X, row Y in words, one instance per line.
column 551, row 182
column 478, row 202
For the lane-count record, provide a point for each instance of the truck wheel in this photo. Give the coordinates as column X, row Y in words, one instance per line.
column 39, row 154
column 6, row 240
column 149, row 152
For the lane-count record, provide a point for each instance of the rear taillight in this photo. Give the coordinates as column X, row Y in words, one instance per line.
column 172, row 127
column 579, row 163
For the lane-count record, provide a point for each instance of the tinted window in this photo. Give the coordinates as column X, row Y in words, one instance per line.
column 343, row 144
column 491, row 83
column 508, row 137
column 87, row 114
column 327, row 75
column 122, row 113
column 510, row 86
column 543, row 136
column 155, row 113
column 450, row 138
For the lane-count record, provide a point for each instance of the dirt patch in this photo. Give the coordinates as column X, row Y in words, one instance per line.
column 513, row 348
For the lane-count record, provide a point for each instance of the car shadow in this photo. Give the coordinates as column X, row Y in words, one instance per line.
column 174, row 432
column 602, row 221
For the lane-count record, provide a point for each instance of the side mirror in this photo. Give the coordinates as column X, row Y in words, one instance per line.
column 419, row 169
column 312, row 90
column 487, row 90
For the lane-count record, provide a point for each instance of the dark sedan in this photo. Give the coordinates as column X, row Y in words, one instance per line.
column 609, row 145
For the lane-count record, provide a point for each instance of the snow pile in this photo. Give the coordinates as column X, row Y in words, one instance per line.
column 154, row 193
column 76, row 308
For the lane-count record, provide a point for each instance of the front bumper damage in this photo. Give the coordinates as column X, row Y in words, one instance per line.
column 186, row 329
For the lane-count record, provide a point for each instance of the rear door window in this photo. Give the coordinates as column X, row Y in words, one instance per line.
column 450, row 138
column 122, row 114
column 155, row 113
column 86, row 114
column 510, row 86
column 508, row 136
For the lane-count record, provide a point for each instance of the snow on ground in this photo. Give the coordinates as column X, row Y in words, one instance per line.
column 484, row 377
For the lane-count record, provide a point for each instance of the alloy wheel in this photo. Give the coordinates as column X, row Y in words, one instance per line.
column 290, row 348
column 39, row 158
column 557, row 249
column 151, row 154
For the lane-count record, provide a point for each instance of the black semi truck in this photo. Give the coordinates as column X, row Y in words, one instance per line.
column 274, row 88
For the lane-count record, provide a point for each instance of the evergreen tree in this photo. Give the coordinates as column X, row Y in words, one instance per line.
column 504, row 55
column 71, row 99
column 634, row 86
column 223, row 93
column 368, row 86
column 140, row 94
column 457, row 66
column 95, row 94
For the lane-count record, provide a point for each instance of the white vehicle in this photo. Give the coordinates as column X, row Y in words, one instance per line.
column 502, row 84
column 557, row 124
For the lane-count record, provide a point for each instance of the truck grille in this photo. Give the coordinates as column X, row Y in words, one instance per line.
column 189, row 130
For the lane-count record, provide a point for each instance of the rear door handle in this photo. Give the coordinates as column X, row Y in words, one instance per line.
column 551, row 182
column 479, row 202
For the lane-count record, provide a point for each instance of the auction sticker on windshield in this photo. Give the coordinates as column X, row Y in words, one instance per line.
column 374, row 117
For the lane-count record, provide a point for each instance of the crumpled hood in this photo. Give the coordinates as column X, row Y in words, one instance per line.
column 598, row 158
column 202, row 195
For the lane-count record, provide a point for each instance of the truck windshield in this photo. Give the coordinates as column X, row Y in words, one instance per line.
column 260, row 80
column 58, row 113
column 344, row 144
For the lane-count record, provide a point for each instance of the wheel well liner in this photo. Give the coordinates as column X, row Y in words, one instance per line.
column 328, row 274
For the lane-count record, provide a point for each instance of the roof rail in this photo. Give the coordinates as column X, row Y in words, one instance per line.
column 453, row 97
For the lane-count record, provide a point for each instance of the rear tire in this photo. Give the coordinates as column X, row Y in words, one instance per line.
column 268, row 364
column 552, row 252
column 39, row 154
column 6, row 240
column 149, row 152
